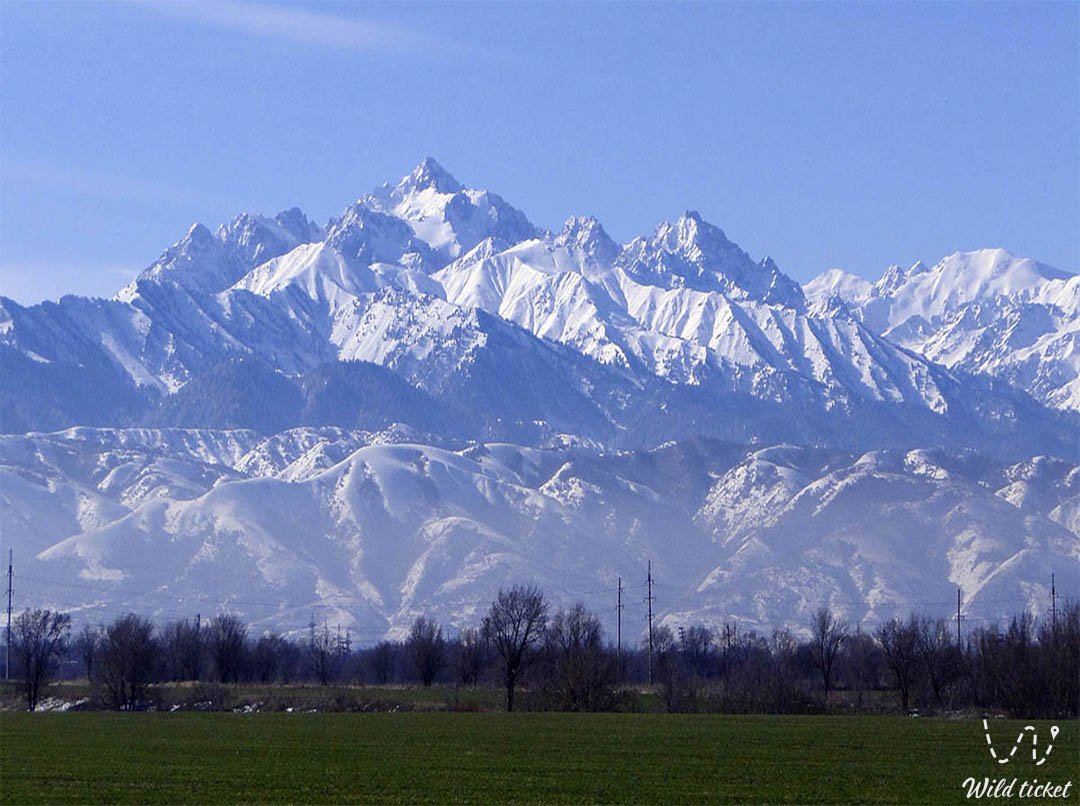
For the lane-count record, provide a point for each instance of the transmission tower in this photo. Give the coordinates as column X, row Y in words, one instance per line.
column 618, row 630
column 649, row 598
column 7, row 652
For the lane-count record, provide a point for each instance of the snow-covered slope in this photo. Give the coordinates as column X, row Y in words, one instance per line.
column 837, row 283
column 687, row 305
column 869, row 531
column 369, row 531
column 984, row 312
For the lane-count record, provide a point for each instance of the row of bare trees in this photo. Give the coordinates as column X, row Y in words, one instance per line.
column 562, row 661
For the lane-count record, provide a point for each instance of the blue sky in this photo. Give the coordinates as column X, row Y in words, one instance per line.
column 820, row 134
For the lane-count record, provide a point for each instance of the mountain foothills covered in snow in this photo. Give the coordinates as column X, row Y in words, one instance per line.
column 430, row 398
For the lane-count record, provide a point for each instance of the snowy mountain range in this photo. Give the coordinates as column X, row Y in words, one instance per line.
column 983, row 312
column 429, row 397
column 369, row 530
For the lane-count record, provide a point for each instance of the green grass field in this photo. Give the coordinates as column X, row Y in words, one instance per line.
column 498, row 757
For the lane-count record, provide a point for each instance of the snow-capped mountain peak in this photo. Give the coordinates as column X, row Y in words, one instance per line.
column 254, row 238
column 197, row 262
column 586, row 235
column 838, row 283
column 365, row 236
column 299, row 225
column 693, row 253
column 429, row 174
column 986, row 312
column 198, row 235
column 207, row 263
column 449, row 217
column 684, row 304
column 957, row 280
column 966, row 276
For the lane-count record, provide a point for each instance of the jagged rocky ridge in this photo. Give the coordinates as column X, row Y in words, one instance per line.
column 985, row 312
column 524, row 334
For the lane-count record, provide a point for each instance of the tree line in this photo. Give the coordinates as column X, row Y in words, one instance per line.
column 561, row 660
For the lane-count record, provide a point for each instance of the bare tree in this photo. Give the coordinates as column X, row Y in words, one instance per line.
column 86, row 645
column 39, row 637
column 267, row 657
column 860, row 663
column 1008, row 666
column 126, row 663
column 695, row 643
column 938, row 655
column 515, row 626
column 382, row 662
column 290, row 665
column 900, row 643
column 584, row 673
column 782, row 689
column 829, row 636
column 323, row 654
column 226, row 639
column 184, row 645
column 427, row 648
column 472, row 657
column 677, row 685
column 1060, row 641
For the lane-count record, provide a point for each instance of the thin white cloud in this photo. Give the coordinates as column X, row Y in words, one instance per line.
column 300, row 25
